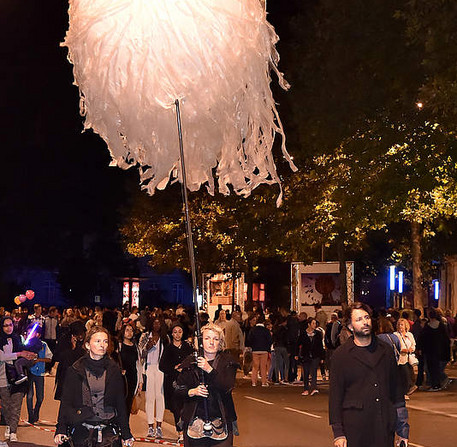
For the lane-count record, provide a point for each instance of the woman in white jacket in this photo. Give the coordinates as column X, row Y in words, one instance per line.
column 408, row 346
column 151, row 346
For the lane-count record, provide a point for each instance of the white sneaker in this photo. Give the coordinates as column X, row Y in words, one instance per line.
column 13, row 437
column 314, row 392
column 7, row 432
column 151, row 432
column 159, row 434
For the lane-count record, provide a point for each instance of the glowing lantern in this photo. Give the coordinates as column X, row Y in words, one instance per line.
column 22, row 298
column 17, row 301
column 30, row 294
column 133, row 59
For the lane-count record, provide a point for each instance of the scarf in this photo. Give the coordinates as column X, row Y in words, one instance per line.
column 96, row 367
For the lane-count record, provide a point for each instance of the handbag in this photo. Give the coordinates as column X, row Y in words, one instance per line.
column 412, row 359
column 214, row 429
column 138, row 403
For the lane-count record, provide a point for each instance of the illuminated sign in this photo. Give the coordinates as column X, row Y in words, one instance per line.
column 135, row 294
column 126, row 293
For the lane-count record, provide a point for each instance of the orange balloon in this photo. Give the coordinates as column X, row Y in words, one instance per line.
column 17, row 301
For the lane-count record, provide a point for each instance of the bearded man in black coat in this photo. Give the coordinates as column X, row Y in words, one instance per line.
column 366, row 406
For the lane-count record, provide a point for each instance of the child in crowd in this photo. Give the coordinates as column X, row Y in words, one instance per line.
column 32, row 344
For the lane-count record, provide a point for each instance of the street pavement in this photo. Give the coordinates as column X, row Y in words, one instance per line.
column 280, row 416
column 276, row 416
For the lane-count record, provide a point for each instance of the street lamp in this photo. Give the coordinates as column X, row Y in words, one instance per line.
column 392, row 278
column 436, row 289
column 400, row 282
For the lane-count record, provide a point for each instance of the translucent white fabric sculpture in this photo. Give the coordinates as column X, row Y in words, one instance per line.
column 133, row 58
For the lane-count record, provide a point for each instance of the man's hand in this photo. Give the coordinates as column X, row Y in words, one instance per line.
column 340, row 442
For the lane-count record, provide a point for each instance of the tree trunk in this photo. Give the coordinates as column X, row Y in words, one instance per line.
column 418, row 291
column 234, row 278
column 249, row 279
column 343, row 272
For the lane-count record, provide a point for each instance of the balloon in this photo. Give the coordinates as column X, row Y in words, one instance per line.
column 30, row 294
column 22, row 298
column 17, row 301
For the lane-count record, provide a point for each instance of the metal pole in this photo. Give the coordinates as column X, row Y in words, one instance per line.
column 190, row 242
column 207, row 427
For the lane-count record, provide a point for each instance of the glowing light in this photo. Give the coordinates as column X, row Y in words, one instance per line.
column 436, row 289
column 392, row 277
column 136, row 294
column 419, row 105
column 400, row 282
column 126, row 293
column 31, row 333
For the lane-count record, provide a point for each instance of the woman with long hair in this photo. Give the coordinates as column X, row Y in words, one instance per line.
column 170, row 364
column 310, row 355
column 11, row 395
column 151, row 346
column 210, row 399
column 92, row 409
column 130, row 361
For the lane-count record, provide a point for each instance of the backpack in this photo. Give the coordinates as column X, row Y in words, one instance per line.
column 328, row 336
column 343, row 335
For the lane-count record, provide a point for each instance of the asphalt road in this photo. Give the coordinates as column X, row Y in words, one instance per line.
column 280, row 416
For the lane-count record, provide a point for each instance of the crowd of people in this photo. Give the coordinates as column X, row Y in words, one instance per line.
column 99, row 351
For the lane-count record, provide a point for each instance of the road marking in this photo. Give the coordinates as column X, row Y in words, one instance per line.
column 303, row 412
column 259, row 400
column 442, row 413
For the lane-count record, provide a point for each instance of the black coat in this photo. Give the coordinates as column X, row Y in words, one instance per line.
column 172, row 356
column 364, row 396
column 259, row 339
column 434, row 343
column 220, row 382
column 310, row 349
column 72, row 411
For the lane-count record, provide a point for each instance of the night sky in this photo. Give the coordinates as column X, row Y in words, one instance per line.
column 55, row 180
column 55, row 183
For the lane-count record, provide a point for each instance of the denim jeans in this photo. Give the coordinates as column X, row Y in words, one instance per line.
column 310, row 371
column 36, row 382
column 281, row 363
